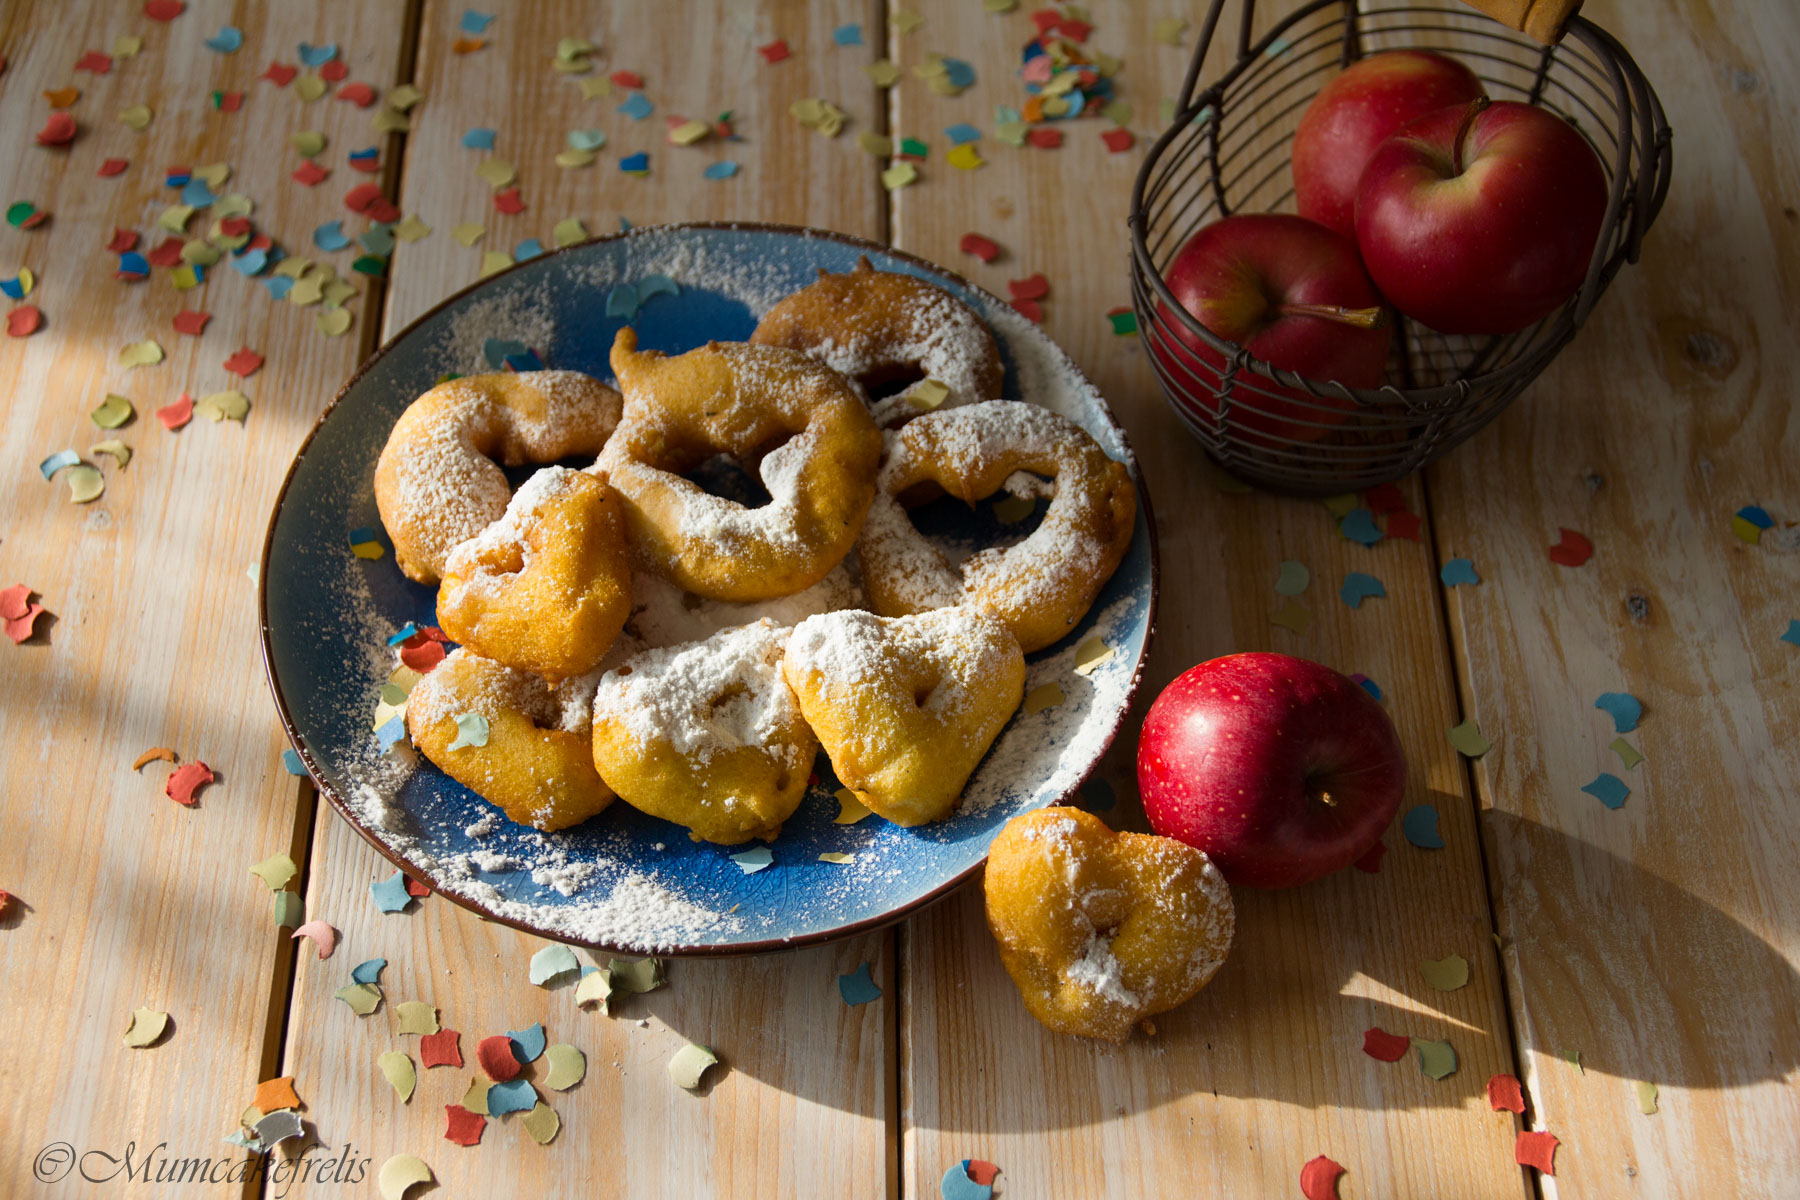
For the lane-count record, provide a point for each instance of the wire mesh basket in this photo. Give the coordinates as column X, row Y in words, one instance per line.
column 1228, row 151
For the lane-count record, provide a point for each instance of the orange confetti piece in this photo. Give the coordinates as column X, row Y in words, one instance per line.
column 467, row 45
column 24, row 321
column 153, row 754
column 277, row 1093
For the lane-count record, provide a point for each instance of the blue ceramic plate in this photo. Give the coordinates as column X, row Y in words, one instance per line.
column 624, row 880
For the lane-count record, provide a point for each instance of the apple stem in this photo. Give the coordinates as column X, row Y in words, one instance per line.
column 1362, row 318
column 1321, row 795
column 1476, row 107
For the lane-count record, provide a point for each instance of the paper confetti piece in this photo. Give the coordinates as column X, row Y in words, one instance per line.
column 184, row 781
column 965, row 158
column 244, row 363
column 23, row 214
column 400, row 1073
column 1385, row 1046
column 1646, row 1097
column 541, row 1123
column 1292, row 578
column 1420, row 825
column 567, row 1067
column 981, row 247
column 752, row 861
column 552, row 961
column 1573, row 1058
column 416, row 1016
column 1319, row 1178
column 275, row 871
column 218, row 406
column 883, row 72
column 363, row 998
column 513, row 1095
column 141, row 354
column 400, row 1173
column 1292, row 615
column 1033, row 287
column 23, row 322
column 1458, row 571
column 595, row 988
column 137, row 116
column 837, row 858
column 359, row 94
column 334, row 321
column 291, row 763
column 723, row 169
column 390, row 894
column 368, row 971
column 20, row 613
column 147, row 1024
column 174, row 416
column 289, row 912
column 59, row 130
column 1445, row 974
column 690, row 1064
column 1792, row 636
column 528, row 1044
column 228, row 40
column 1436, row 1059
column 462, row 1126
column 774, row 51
column 1628, row 754
column 1047, row 695
column 1467, row 740
column 277, row 1093
column 1623, row 708
column 900, row 175
column 1169, row 30
column 276, row 1128
column 1536, row 1148
column 475, row 1099
column 86, row 484
column 858, row 987
column 1118, row 140
column 1505, row 1095
column 1572, row 551
column 1358, row 587
column 113, row 412
column 1091, row 655
column 323, row 936
column 1608, row 789
column 495, row 1054
column 471, row 730
column 1404, row 525
column 154, row 753
column 1124, row 322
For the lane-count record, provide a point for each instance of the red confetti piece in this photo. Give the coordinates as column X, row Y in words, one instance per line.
column 167, row 254
column 185, row 781
column 983, row 248
column 164, row 10
column 1046, row 19
column 1075, row 31
column 1385, row 498
column 1403, row 525
column 416, row 889
column 359, row 94
column 1045, row 139
column 1033, row 287
column 174, row 416
column 359, row 198
column 1536, row 1148
column 113, row 166
column 1370, row 861
column 422, row 658
column 462, row 1126
column 309, row 173
column 428, row 633
column 507, row 200
column 1572, row 551
column 18, row 612
column 627, row 79
column 1031, row 309
column 496, row 1058
column 1318, row 1179
column 1505, row 1094
column 5, row 896
column 122, row 240
column 24, row 321
column 234, row 226
column 245, row 363
column 1118, row 140
column 774, row 52
column 334, row 70
column 230, row 101
column 34, row 220
column 1388, row 1047
column 94, row 61
column 383, row 211
column 59, row 130
column 261, row 241
column 982, row 1172
column 368, row 166
column 441, row 1049
column 280, row 74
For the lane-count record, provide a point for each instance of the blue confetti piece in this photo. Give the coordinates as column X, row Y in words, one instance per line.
column 956, row 1184
column 634, row 164
column 637, row 106
column 13, row 288
column 228, row 40
column 474, row 22
column 249, row 263
column 317, row 56
column 515, row 1095
column 528, row 361
column 958, row 134
column 200, row 272
column 391, row 733
column 1792, row 636
column 133, row 263
column 847, row 35
column 390, row 894
column 478, row 139
column 401, row 634
column 528, row 1043
column 1359, row 526
column 624, row 225
column 1756, row 515
column 1366, row 684
column 290, row 762
column 1359, row 587
column 529, row 248
column 362, row 536
column 1624, row 708
column 378, row 240
column 279, row 286
column 1077, row 102
column 1420, row 825
column 723, row 169
column 622, row 301
column 56, row 462
column 1608, row 789
column 363, row 156
column 177, row 179
column 368, row 972
column 752, row 861
column 495, row 350
column 857, row 988
column 959, row 73
column 655, row 285
column 1458, row 571
column 330, row 236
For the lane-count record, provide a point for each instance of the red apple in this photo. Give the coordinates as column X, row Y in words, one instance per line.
column 1292, row 293
column 1280, row 769
column 1357, row 111
column 1481, row 219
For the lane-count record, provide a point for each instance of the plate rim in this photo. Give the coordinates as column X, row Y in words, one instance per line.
column 736, row 949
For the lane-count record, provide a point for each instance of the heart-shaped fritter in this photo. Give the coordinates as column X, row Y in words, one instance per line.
column 547, row 587
column 1100, row 929
column 905, row 707
column 707, row 734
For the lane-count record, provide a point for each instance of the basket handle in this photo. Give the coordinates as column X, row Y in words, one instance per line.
column 1544, row 20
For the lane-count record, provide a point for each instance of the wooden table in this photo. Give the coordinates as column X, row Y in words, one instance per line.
column 1658, row 941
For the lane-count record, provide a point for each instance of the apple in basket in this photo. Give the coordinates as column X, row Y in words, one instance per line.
column 1280, row 769
column 1481, row 219
column 1357, row 111
column 1293, row 294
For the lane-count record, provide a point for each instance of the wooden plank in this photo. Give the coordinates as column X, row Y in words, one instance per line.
column 1661, row 940
column 804, row 1104
column 1264, row 1070
column 124, row 899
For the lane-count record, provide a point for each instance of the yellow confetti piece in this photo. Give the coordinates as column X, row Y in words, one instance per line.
column 85, row 483
column 1106, row 64
column 965, row 157
column 1010, row 510
column 215, row 174
column 386, row 120
column 1012, row 132
column 690, row 132
column 141, row 354
column 175, row 217
column 1628, row 754
column 944, row 86
column 595, row 988
column 821, row 115
column 906, row 20
column 412, row 229
column 1047, row 695
column 399, row 1173
column 334, row 322
column 137, row 116
column 1573, row 1058
column 113, row 412
column 573, row 66
column 1445, row 974
column 569, row 232
column 147, row 1024
column 404, row 97
column 127, row 45
column 120, row 452
column 1467, row 740
column 899, row 175
column 689, row 1064
column 1646, row 1097
column 837, row 859
column 494, row 260
column 309, row 290
column 541, row 1123
column 1340, row 506
column 292, row 268
column 1292, row 615
column 1168, row 31
column 1118, row 112
column 932, row 67
column 1091, row 655
column 497, row 173
column 416, row 1016
column 200, row 254
column 309, row 87
column 363, row 998
column 307, row 142
column 883, row 72
column 338, row 291
column 475, row 1099
column 275, row 871
column 216, row 406
column 594, row 89
column 26, row 281
column 928, row 394
column 400, row 1072
column 567, row 1064
column 184, row 278
column 469, row 233
column 850, row 809
column 570, row 159
column 370, row 551
column 875, row 144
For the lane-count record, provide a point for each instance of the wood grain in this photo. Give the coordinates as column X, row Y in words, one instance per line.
column 1660, row 940
column 123, row 898
column 803, row 1105
column 1264, row 1069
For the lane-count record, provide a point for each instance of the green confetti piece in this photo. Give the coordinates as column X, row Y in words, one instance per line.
column 636, row 974
column 363, row 998
column 689, row 1064
column 567, row 1066
column 1646, row 1097
column 1467, row 740
column 1628, row 754
column 472, row 730
column 400, row 1073
column 1436, row 1059
column 289, row 911
column 1292, row 578
column 113, row 412
column 1124, row 322
column 416, row 1016
column 914, row 148
column 1446, row 974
